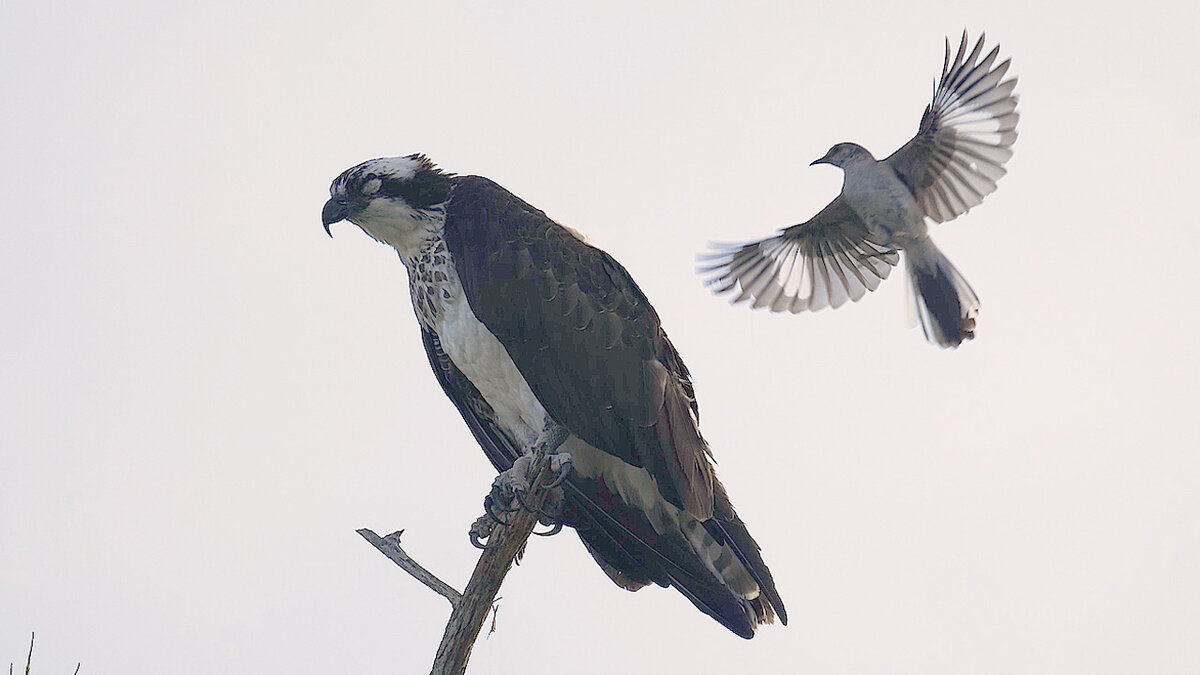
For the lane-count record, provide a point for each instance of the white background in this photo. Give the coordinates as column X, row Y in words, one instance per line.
column 202, row 396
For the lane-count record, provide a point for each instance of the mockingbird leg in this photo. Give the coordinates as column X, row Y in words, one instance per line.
column 511, row 486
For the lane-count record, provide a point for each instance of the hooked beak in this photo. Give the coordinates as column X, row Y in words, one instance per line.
column 333, row 212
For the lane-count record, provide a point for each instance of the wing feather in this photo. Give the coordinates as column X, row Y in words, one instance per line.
column 821, row 263
column 582, row 334
column 965, row 136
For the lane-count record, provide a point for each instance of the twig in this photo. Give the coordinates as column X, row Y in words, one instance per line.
column 29, row 660
column 495, row 611
column 390, row 546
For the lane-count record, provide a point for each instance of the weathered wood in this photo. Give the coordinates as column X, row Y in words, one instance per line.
column 390, row 546
column 505, row 544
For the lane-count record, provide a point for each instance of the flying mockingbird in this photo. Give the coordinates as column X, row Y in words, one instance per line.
column 951, row 164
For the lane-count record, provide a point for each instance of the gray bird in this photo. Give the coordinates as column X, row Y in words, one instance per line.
column 951, row 164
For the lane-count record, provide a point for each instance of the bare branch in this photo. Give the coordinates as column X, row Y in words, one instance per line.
column 505, row 543
column 390, row 546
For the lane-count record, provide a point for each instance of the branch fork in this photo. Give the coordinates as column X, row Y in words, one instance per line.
column 505, row 543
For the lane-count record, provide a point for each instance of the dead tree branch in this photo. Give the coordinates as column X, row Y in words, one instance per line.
column 471, row 608
column 390, row 546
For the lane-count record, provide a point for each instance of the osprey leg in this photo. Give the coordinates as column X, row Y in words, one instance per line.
column 510, row 486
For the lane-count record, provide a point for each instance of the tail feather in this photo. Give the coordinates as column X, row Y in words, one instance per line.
column 723, row 576
column 748, row 552
column 945, row 304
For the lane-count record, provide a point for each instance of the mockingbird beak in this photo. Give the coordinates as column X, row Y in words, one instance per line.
column 333, row 212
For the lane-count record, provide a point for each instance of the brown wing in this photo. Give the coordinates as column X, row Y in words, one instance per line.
column 583, row 335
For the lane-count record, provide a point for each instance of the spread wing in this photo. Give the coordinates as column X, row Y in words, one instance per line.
column 817, row 264
column 583, row 335
column 965, row 135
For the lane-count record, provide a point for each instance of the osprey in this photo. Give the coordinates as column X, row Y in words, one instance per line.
column 539, row 338
column 951, row 164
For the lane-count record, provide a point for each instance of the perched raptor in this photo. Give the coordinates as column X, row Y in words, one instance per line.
column 539, row 338
column 951, row 164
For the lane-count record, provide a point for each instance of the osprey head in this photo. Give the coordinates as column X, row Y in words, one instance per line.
column 843, row 153
column 381, row 188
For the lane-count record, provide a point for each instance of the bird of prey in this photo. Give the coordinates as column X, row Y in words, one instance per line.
column 540, row 339
column 953, row 162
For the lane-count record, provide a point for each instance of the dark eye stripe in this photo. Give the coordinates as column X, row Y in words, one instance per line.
column 426, row 189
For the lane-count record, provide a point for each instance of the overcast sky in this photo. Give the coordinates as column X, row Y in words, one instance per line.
column 202, row 396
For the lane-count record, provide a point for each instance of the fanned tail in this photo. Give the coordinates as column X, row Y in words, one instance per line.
column 945, row 304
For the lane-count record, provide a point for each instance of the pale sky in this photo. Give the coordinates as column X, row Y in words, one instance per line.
column 202, row 396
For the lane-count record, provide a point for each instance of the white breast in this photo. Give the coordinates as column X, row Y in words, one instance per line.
column 481, row 357
column 440, row 304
